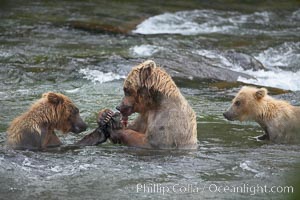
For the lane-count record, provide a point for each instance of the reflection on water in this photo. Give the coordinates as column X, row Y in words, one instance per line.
column 40, row 51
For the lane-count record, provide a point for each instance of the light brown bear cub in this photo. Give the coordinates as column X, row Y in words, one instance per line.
column 279, row 119
column 165, row 119
column 34, row 129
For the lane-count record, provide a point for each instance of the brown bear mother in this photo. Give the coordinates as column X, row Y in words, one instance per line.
column 34, row 129
column 165, row 119
column 279, row 119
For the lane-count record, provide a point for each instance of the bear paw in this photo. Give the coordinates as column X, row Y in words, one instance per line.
column 104, row 117
column 109, row 121
column 116, row 122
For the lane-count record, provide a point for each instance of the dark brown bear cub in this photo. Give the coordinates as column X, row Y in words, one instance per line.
column 34, row 129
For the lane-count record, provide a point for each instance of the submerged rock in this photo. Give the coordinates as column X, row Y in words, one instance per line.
column 199, row 70
column 102, row 27
column 187, row 66
column 227, row 85
column 97, row 27
column 243, row 60
column 193, row 66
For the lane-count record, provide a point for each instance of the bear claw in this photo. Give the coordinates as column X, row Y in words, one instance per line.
column 104, row 117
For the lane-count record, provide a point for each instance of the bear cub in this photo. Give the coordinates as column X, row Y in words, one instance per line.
column 34, row 129
column 279, row 119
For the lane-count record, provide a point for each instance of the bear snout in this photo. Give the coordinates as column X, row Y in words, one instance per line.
column 125, row 110
column 227, row 116
column 79, row 127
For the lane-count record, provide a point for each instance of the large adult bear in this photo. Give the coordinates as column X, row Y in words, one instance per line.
column 34, row 129
column 165, row 120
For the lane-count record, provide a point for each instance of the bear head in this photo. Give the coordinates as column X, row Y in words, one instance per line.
column 245, row 104
column 138, row 90
column 61, row 110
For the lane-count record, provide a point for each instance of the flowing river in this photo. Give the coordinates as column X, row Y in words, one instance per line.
column 85, row 49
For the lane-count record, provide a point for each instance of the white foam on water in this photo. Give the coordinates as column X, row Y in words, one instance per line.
column 98, row 76
column 246, row 166
column 144, row 50
column 285, row 56
column 72, row 90
column 56, row 169
column 179, row 23
column 296, row 15
column 87, row 166
column 278, row 79
column 5, row 54
column 23, row 91
column 26, row 162
column 225, row 63
column 34, row 170
column 202, row 22
column 282, row 56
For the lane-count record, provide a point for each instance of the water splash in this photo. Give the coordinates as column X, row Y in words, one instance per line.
column 144, row 50
column 98, row 76
column 184, row 22
column 246, row 166
column 286, row 56
column 278, row 79
column 209, row 21
column 283, row 64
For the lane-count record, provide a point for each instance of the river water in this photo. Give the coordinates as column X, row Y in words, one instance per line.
column 42, row 48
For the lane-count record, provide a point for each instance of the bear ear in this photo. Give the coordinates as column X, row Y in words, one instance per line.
column 53, row 98
column 146, row 70
column 260, row 93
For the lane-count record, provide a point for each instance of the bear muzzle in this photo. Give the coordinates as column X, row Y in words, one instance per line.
column 79, row 126
column 125, row 110
column 228, row 116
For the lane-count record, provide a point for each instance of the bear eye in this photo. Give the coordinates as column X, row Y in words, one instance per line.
column 237, row 103
column 126, row 92
column 75, row 111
